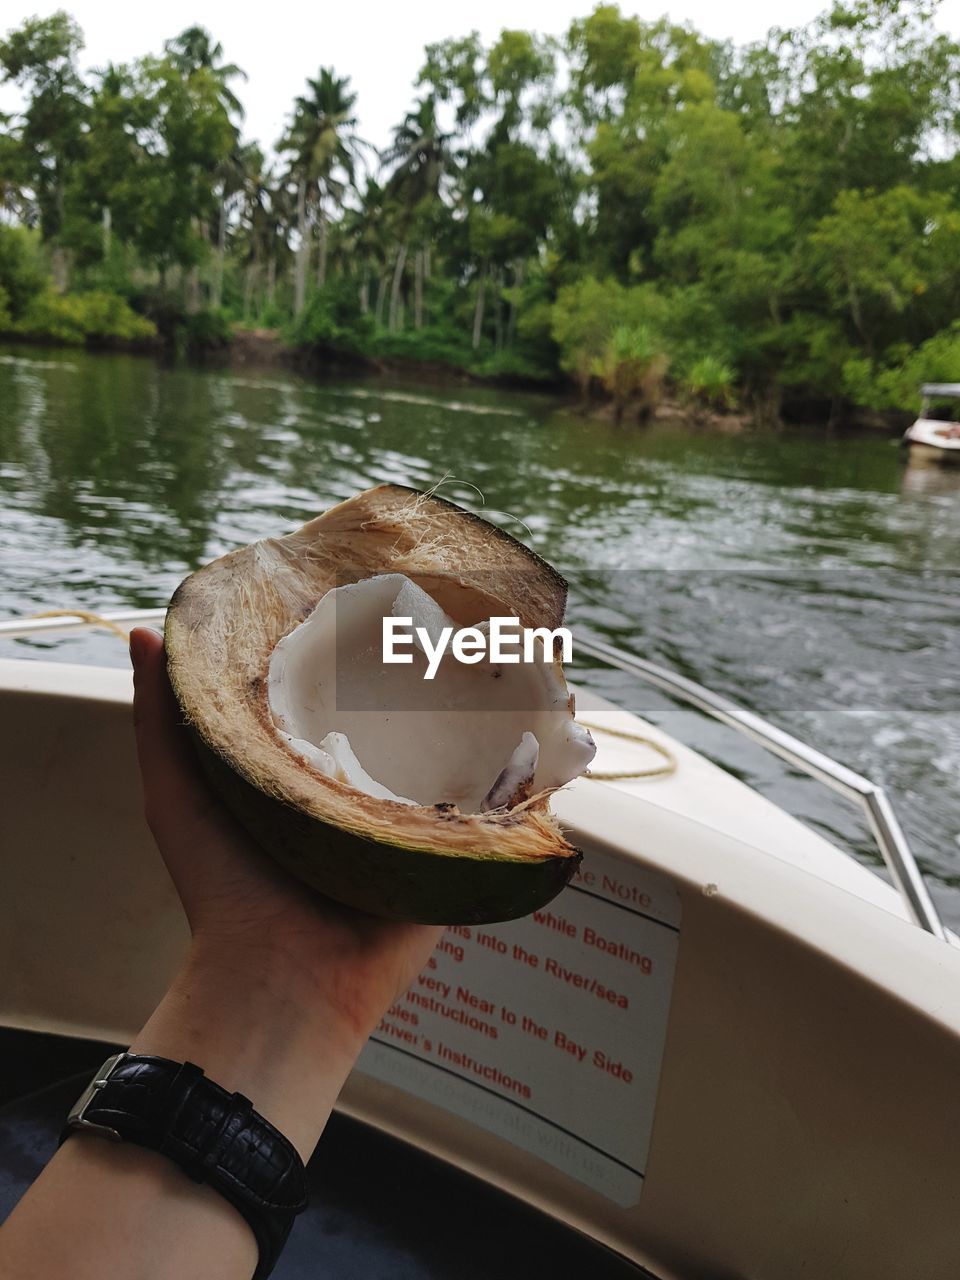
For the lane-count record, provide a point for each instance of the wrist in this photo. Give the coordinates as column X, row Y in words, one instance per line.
column 259, row 1024
column 281, row 987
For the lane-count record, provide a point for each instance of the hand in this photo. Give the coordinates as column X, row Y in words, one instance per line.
column 278, row 994
column 235, row 898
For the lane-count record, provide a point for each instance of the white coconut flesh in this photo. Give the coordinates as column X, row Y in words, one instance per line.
column 482, row 737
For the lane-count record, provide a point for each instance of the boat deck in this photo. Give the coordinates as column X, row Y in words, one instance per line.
column 795, row 1040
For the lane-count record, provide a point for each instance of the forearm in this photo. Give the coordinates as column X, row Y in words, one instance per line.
column 262, row 1027
column 266, row 1030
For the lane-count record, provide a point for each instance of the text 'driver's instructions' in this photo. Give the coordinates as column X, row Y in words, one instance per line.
column 549, row 1031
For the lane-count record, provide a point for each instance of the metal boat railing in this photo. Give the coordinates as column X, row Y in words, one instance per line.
column 873, row 800
column 897, row 854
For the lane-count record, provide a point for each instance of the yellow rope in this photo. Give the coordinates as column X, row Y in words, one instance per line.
column 94, row 619
column 656, row 771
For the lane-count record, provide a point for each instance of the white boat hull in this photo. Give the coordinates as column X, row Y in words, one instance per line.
column 801, row 1081
column 928, row 442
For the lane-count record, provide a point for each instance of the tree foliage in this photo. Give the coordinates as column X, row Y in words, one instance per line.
column 627, row 202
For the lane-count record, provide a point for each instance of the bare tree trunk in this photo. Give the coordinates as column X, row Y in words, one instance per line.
column 303, row 250
column 498, row 309
column 365, row 290
column 193, row 290
column 193, row 281
column 395, row 288
column 381, row 299
column 512, row 320
column 322, row 245
column 217, row 291
column 60, row 268
column 253, row 272
column 59, row 260
column 418, row 290
column 857, row 312
column 426, row 261
column 106, row 224
column 271, row 280
column 478, row 310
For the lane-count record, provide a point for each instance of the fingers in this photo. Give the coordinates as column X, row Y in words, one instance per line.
column 173, row 789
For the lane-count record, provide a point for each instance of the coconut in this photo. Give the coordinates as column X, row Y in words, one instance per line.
column 413, row 798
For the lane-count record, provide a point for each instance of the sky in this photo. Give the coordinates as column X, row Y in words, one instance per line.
column 377, row 43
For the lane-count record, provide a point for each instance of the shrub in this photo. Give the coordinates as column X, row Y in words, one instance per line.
column 691, row 313
column 512, row 365
column 583, row 319
column 332, row 319
column 82, row 317
column 105, row 315
column 588, row 315
column 272, row 316
column 22, row 273
column 896, row 385
column 632, row 368
column 433, row 344
column 200, row 331
column 709, row 382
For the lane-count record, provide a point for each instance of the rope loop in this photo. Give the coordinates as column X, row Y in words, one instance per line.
column 664, row 770
column 92, row 619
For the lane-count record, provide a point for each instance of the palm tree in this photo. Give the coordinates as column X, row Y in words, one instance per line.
column 265, row 220
column 194, row 53
column 365, row 236
column 324, row 150
column 195, row 50
column 423, row 157
column 15, row 199
column 255, row 217
column 281, row 217
column 421, row 153
column 231, row 175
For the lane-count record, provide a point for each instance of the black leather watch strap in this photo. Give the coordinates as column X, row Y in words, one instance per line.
column 216, row 1137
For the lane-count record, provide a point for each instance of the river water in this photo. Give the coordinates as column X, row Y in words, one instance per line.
column 809, row 576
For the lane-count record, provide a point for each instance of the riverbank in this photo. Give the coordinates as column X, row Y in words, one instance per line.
column 211, row 341
column 267, row 348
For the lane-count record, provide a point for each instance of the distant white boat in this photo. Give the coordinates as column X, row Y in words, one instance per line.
column 934, row 439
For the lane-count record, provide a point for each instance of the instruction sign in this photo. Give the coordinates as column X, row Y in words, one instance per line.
column 549, row 1031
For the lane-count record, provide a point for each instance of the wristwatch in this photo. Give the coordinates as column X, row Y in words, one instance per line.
column 216, row 1137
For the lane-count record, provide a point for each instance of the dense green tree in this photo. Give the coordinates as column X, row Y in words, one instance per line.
column 195, row 53
column 630, row 201
column 41, row 58
column 890, row 264
column 261, row 226
column 189, row 138
column 862, row 91
column 194, row 50
column 422, row 157
column 324, row 149
column 453, row 74
column 107, row 189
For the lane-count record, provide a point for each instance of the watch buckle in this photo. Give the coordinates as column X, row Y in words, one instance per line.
column 77, row 1119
